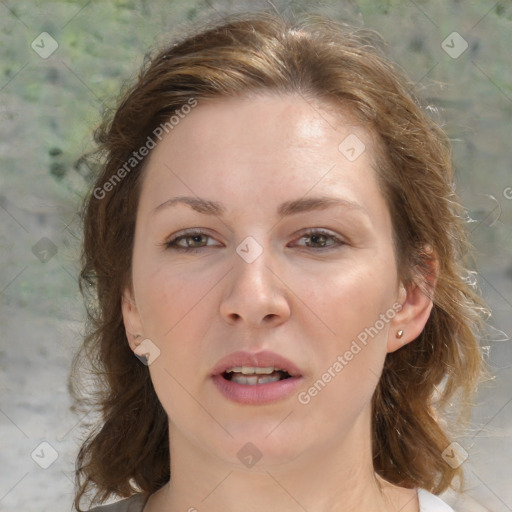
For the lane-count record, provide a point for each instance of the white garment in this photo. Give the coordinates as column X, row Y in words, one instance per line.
column 431, row 503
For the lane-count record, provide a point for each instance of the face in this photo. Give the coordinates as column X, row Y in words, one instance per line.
column 282, row 246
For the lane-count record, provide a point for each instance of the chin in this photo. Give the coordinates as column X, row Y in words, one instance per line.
column 268, row 440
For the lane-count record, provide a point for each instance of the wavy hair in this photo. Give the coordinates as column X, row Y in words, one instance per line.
column 128, row 451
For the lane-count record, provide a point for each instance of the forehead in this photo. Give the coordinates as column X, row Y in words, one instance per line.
column 262, row 147
column 259, row 121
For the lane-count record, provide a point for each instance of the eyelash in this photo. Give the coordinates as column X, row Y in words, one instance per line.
column 172, row 243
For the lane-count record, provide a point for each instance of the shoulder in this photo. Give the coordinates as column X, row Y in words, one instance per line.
column 133, row 504
column 430, row 503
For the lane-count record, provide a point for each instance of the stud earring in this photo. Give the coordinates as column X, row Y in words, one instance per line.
column 399, row 333
column 142, row 351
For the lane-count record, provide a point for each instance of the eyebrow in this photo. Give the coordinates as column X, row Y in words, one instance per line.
column 285, row 209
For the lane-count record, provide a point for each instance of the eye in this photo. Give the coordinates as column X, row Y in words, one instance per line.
column 195, row 240
column 188, row 241
column 319, row 239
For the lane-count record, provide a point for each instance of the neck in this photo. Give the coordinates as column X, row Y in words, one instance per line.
column 328, row 478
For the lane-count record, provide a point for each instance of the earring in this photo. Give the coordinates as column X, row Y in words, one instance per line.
column 399, row 333
column 142, row 351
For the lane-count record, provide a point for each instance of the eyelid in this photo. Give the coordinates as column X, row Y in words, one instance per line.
column 171, row 242
column 339, row 241
column 185, row 233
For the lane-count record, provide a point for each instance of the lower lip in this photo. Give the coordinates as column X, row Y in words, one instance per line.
column 259, row 393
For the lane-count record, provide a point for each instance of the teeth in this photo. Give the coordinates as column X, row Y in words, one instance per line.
column 253, row 375
column 251, row 370
column 254, row 380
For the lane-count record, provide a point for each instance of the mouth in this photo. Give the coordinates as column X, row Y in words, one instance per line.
column 256, row 378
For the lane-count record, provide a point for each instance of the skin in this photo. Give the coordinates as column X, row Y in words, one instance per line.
column 298, row 299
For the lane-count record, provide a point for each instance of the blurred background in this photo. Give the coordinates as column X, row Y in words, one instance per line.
column 62, row 63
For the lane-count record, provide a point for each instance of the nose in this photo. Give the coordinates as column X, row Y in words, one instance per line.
column 256, row 295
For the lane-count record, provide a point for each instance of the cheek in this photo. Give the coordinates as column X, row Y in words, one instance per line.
column 357, row 308
column 178, row 308
column 176, row 317
column 354, row 300
column 350, row 361
column 169, row 296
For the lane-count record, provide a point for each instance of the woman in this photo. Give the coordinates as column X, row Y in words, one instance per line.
column 275, row 236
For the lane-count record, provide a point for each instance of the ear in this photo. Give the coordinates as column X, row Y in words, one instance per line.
column 416, row 304
column 131, row 319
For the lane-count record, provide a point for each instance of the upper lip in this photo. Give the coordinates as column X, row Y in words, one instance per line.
column 258, row 359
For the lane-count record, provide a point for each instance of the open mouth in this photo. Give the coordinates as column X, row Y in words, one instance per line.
column 253, row 376
column 256, row 378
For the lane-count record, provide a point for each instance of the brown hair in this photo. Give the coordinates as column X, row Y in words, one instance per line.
column 128, row 450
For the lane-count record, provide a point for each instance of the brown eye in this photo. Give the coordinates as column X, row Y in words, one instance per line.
column 189, row 241
column 319, row 239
